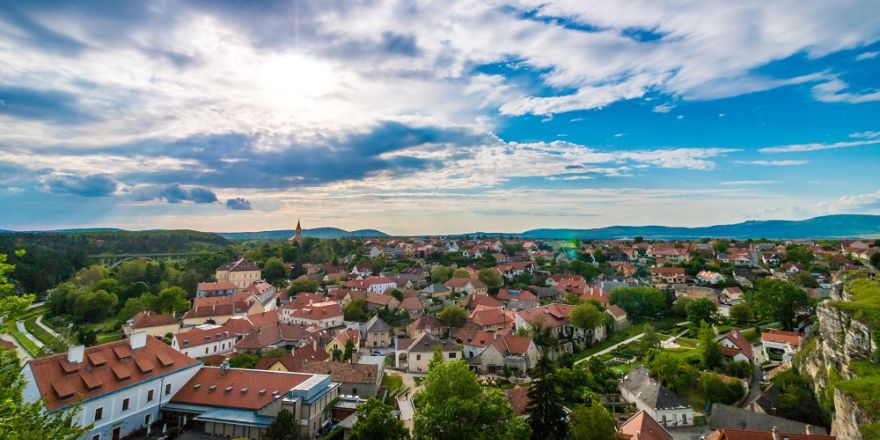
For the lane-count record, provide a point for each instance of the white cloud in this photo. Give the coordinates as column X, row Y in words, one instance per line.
column 833, row 90
column 748, row 182
column 818, row 146
column 773, row 163
column 867, row 56
column 663, row 108
column 867, row 203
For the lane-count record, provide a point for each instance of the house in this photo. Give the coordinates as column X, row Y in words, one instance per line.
column 641, row 426
column 204, row 340
column 427, row 324
column 780, row 344
column 709, row 277
column 436, row 290
column 241, row 273
column 362, row 270
column 216, row 313
column 735, row 346
column 729, row 417
column 221, row 288
column 518, row 397
column 377, row 301
column 152, row 323
column 494, row 319
column 294, row 360
column 490, row 353
column 518, row 299
column 326, row 314
column 552, row 316
column 661, row 404
column 282, row 336
column 264, row 293
column 419, row 351
column 362, row 380
column 372, row 284
column 238, row 402
column 376, row 333
column 469, row 286
column 668, row 252
column 698, row 292
column 773, row 434
column 253, row 303
column 120, row 385
column 514, row 269
column 481, row 301
column 663, row 276
column 412, row 306
column 731, row 295
column 557, row 279
column 619, row 315
column 340, row 341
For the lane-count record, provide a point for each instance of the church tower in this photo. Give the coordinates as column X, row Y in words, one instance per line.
column 298, row 236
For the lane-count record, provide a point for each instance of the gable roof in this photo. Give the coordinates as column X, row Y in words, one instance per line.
column 616, row 311
column 729, row 417
column 516, row 295
column 425, row 343
column 149, row 318
column 639, row 383
column 552, row 315
column 742, row 434
column 410, row 304
column 782, row 337
column 483, row 300
column 737, row 338
column 519, row 399
column 343, row 371
column 202, row 334
column 220, row 285
column 104, row 369
column 237, row 387
column 643, row 427
column 240, row 265
column 376, row 324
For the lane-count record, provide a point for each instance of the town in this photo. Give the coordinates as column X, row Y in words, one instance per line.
column 461, row 337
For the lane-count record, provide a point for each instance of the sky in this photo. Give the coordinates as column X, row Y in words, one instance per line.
column 436, row 117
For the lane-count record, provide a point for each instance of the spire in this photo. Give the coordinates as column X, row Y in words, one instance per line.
column 297, row 237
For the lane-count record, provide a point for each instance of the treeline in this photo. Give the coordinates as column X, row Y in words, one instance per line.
column 54, row 257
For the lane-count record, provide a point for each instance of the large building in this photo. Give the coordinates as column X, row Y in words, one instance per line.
column 121, row 384
column 661, row 404
column 232, row 402
column 241, row 273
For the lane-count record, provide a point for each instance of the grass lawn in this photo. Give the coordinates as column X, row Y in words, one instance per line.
column 23, row 341
column 625, row 334
column 45, row 337
column 687, row 342
column 109, row 337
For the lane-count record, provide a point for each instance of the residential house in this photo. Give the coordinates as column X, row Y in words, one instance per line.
column 294, row 360
column 664, row 276
column 264, row 293
column 734, row 346
column 119, row 385
column 773, row 434
column 436, row 291
column 362, row 380
column 372, row 284
column 729, row 417
column 483, row 302
column 221, row 288
column 660, row 403
column 413, row 306
column 376, row 333
column 204, row 340
column 780, row 344
column 709, row 277
column 217, row 313
column 237, row 402
column 280, row 336
column 641, row 426
column 378, row 301
column 619, row 315
column 494, row 319
column 518, row 299
column 151, row 323
column 427, row 324
column 469, row 286
column 340, row 341
column 419, row 351
column 326, row 314
column 731, row 295
column 490, row 353
column 241, row 273
column 362, row 270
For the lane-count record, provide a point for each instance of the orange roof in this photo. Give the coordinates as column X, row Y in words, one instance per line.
column 519, row 399
column 411, row 304
column 149, row 318
column 551, row 315
column 782, row 337
column 742, row 434
column 460, row 283
column 207, row 301
column 492, row 317
column 319, row 311
column 485, row 301
column 643, row 427
column 667, row 271
column 222, row 285
column 237, row 388
column 105, row 368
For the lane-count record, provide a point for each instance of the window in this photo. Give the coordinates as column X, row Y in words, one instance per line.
column 150, row 396
column 167, row 389
column 99, row 413
column 96, row 437
column 147, row 419
column 125, row 403
column 354, row 391
column 684, row 419
column 451, row 355
column 418, row 357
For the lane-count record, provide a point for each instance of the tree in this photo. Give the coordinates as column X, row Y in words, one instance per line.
column 461, row 273
column 701, row 309
column 87, row 337
column 20, row 419
column 804, row 279
column 306, row 285
column 453, row 405
column 798, row 254
column 721, row 246
column 274, row 271
column 376, row 420
column 875, row 260
column 396, row 294
column 453, row 316
column 584, row 269
column 355, row 310
column 639, row 301
column 586, row 316
column 490, row 278
column 546, row 413
column 12, row 306
column 244, row 360
column 171, row 300
column 284, row 427
column 440, row 274
column 592, row 422
column 670, row 370
column 778, row 300
column 349, row 350
column 741, row 313
column 710, row 351
column 650, row 339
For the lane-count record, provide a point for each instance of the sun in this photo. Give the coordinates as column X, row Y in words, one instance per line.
column 290, row 79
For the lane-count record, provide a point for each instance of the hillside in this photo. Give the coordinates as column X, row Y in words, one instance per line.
column 322, row 233
column 831, row 226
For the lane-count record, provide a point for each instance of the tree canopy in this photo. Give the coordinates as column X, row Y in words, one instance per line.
column 639, row 301
column 778, row 300
column 453, row 316
column 377, row 421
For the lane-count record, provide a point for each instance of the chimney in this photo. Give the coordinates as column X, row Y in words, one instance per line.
column 775, row 433
column 75, row 354
column 224, row 366
column 138, row 340
column 315, row 344
column 808, row 430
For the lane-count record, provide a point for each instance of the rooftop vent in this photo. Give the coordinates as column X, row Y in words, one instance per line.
column 262, row 391
column 244, row 390
column 197, row 386
column 212, row 387
column 228, row 389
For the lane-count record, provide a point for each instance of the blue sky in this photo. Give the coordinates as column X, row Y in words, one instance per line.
column 436, row 117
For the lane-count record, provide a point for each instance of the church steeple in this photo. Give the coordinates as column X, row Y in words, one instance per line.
column 298, row 236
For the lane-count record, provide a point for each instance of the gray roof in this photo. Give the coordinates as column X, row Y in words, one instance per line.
column 435, row 288
column 376, row 324
column 425, row 343
column 648, row 390
column 729, row 417
column 239, row 265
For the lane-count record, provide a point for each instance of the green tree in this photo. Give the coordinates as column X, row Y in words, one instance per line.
column 804, row 279
column 721, row 246
column 453, row 316
column 171, row 300
column 377, row 421
column 650, row 339
column 31, row 420
column 701, row 309
column 875, row 260
column 12, row 306
column 461, row 273
column 306, row 285
column 778, row 300
column 284, row 427
column 586, row 316
column 490, row 278
column 710, row 351
column 355, row 310
column 546, row 413
column 639, row 301
column 273, row 271
column 452, row 405
column 584, row 269
column 244, row 360
column 741, row 313
column 798, row 254
column 592, row 422
column 398, row 295
column 670, row 371
column 349, row 350
column 440, row 274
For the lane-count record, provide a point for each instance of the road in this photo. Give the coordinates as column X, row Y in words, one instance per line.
column 632, row 339
column 23, row 330
column 47, row 328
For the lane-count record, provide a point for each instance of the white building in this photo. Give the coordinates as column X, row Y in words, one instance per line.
column 648, row 395
column 326, row 314
column 204, row 340
column 122, row 384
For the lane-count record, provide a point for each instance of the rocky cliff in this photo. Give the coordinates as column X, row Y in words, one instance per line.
column 827, row 359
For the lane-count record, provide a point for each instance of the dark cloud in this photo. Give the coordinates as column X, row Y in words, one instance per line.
column 238, row 204
column 53, row 105
column 96, row 185
column 399, row 44
column 175, row 193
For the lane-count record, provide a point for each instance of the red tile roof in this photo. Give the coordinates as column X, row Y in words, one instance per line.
column 237, row 388
column 485, row 301
column 207, row 301
column 667, row 271
column 60, row 382
column 737, row 338
column 318, row 311
column 519, row 399
column 616, row 311
column 411, row 304
column 551, row 315
column 343, row 371
column 516, row 295
column 782, row 337
column 742, row 434
column 222, row 285
column 149, row 318
column 642, row 426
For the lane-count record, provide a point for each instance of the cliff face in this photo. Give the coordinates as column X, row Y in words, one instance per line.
column 839, row 340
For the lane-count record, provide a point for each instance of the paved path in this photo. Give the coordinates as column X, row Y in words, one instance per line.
column 47, row 328
column 23, row 330
column 23, row 356
column 632, row 339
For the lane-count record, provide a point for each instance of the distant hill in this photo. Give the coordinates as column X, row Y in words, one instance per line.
column 830, row 226
column 322, row 233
